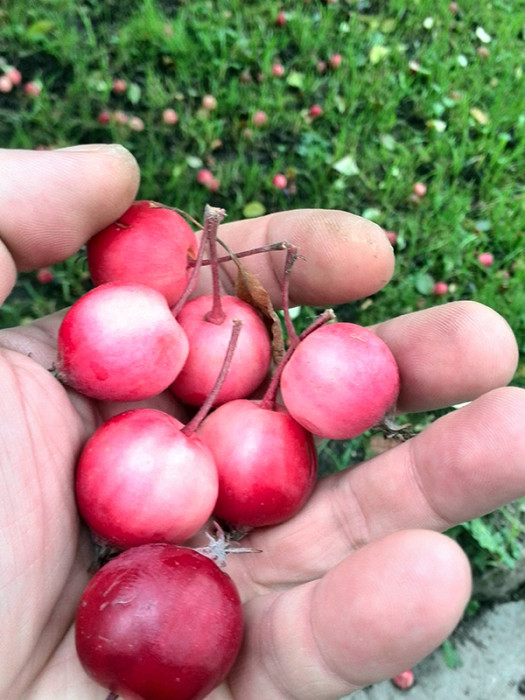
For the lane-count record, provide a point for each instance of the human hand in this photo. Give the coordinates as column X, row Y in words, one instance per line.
column 359, row 585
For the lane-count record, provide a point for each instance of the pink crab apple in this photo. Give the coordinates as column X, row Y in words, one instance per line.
column 209, row 103
column 119, row 86
column 280, row 19
column 159, row 621
column 404, row 680
column 440, row 289
column 120, row 342
column 392, row 237
column 32, row 88
column 150, row 244
column 341, row 380
column 486, row 259
column 277, row 70
column 170, row 116
column 208, row 341
column 335, row 60
column 45, row 275
column 141, row 479
column 279, row 180
column 260, row 118
column 6, row 84
column 419, row 189
column 14, row 75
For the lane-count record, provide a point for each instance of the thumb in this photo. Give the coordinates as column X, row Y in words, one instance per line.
column 52, row 202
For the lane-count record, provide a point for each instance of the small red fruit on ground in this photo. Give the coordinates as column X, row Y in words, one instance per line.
column 209, row 103
column 404, row 680
column 45, row 275
column 170, row 116
column 315, row 111
column 119, row 86
column 260, row 118
column 280, row 181
column 277, row 70
column 419, row 189
column 486, row 259
column 440, row 289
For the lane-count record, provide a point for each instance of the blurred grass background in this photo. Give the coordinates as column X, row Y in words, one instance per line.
column 410, row 92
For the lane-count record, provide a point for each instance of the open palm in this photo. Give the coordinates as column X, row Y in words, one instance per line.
column 355, row 588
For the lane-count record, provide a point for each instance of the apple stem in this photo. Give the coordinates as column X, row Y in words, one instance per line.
column 212, row 218
column 203, row 411
column 216, row 314
column 270, row 396
column 281, row 245
column 291, row 257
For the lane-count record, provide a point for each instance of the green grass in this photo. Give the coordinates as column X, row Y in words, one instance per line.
column 456, row 123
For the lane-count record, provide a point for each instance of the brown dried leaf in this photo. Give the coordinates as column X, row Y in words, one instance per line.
column 249, row 289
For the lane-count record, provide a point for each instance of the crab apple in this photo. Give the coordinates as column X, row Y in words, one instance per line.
column 404, row 680
column 6, row 84
column 266, row 462
column 45, row 275
column 141, row 479
column 260, row 118
column 136, row 123
column 440, row 289
column 170, row 116
column 280, row 181
column 159, row 622
column 120, row 117
column 277, row 70
column 149, row 244
column 32, row 88
column 315, row 111
column 392, row 237
column 120, row 342
column 104, row 117
column 419, row 189
column 119, row 86
column 209, row 103
column 208, row 342
column 341, row 380
column 14, row 75
column 280, row 19
column 486, row 259
column 335, row 60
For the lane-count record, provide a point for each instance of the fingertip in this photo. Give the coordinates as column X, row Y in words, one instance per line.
column 53, row 201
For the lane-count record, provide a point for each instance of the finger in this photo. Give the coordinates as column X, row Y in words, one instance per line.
column 343, row 256
column 53, row 201
column 464, row 465
column 377, row 613
column 450, row 354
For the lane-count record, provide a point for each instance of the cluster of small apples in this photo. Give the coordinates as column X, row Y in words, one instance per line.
column 146, row 483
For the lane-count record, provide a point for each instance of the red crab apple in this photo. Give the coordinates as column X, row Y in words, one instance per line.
column 120, row 342
column 141, row 479
column 440, row 289
column 486, row 259
column 419, row 189
column 341, row 380
column 159, row 622
column 266, row 462
column 149, row 244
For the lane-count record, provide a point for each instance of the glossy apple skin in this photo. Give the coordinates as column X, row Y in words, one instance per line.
column 140, row 479
column 341, row 380
column 120, row 342
column 159, row 622
column 266, row 461
column 208, row 344
column 149, row 244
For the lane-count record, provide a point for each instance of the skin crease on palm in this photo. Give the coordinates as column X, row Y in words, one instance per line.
column 360, row 584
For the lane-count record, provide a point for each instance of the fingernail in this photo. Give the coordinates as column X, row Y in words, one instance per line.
column 109, row 148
